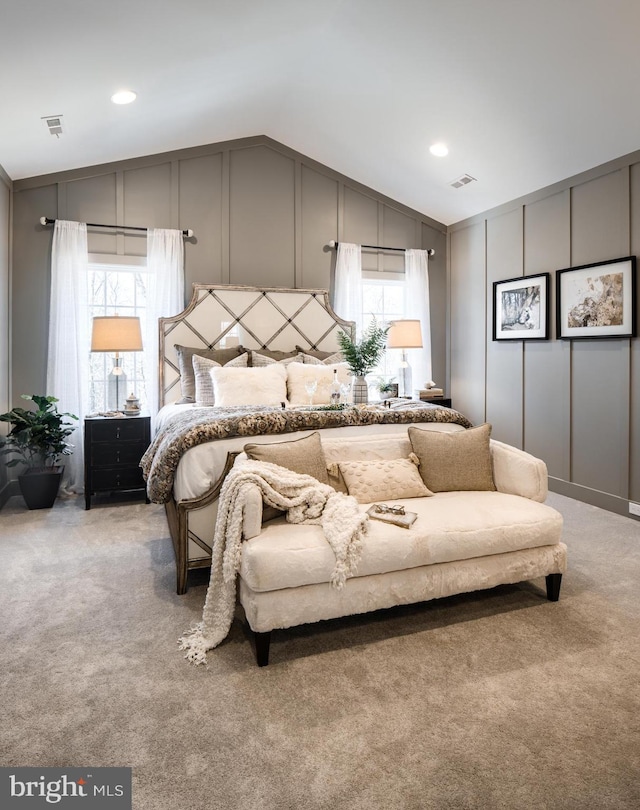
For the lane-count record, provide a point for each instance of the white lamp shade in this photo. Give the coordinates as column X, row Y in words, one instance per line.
column 405, row 335
column 115, row 333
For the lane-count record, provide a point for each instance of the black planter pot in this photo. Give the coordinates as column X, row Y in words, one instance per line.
column 40, row 487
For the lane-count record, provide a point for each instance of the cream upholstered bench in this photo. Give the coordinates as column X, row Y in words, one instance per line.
column 463, row 539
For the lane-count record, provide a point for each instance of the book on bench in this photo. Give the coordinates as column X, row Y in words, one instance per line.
column 405, row 521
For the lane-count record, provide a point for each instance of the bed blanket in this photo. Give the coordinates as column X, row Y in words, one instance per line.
column 186, row 430
column 306, row 501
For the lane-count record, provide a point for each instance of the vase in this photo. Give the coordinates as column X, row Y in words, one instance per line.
column 39, row 487
column 360, row 391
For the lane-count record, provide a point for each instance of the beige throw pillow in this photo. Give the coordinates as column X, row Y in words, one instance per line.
column 249, row 386
column 454, row 461
column 383, row 480
column 203, row 382
column 303, row 456
column 299, row 374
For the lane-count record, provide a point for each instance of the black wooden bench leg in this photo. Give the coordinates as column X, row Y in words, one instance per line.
column 263, row 640
column 553, row 586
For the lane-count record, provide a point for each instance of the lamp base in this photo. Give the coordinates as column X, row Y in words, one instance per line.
column 404, row 377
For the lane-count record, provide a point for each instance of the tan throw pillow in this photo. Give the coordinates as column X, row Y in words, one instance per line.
column 454, row 461
column 203, row 382
column 271, row 354
column 258, row 360
column 383, row 480
column 303, row 456
column 249, row 386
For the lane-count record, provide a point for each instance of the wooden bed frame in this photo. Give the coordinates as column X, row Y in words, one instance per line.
column 219, row 317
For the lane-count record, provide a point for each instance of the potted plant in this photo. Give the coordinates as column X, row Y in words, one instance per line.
column 362, row 356
column 37, row 439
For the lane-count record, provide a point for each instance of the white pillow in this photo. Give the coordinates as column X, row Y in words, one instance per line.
column 336, row 357
column 203, row 382
column 299, row 374
column 266, row 385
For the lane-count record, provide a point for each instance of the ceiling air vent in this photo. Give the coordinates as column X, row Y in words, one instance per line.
column 462, row 181
column 53, row 124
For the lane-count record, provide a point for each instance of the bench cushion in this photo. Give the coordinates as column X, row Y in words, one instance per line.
column 450, row 526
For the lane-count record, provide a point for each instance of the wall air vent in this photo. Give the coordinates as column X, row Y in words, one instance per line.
column 53, row 124
column 464, row 180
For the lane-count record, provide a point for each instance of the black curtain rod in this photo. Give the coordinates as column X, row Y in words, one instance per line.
column 47, row 221
column 334, row 244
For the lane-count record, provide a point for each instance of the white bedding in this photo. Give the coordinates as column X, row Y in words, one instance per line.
column 201, row 466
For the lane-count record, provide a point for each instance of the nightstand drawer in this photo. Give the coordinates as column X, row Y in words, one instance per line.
column 131, row 428
column 117, row 478
column 110, row 455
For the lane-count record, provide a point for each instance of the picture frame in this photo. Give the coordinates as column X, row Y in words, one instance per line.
column 521, row 308
column 597, row 300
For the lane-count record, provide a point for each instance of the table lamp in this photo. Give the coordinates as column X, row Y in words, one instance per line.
column 405, row 335
column 115, row 334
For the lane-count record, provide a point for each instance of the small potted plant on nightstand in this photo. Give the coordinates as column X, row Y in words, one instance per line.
column 362, row 356
column 37, row 439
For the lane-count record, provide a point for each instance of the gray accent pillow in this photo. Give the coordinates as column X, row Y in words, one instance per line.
column 454, row 461
column 304, row 456
column 185, row 364
column 259, row 359
column 272, row 354
column 202, row 371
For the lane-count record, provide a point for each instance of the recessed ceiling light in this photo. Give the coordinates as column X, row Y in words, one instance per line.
column 439, row 149
column 123, row 97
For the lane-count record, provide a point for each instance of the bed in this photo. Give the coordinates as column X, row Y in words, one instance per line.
column 195, row 442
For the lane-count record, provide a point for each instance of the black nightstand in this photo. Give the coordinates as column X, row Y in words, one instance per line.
column 444, row 401
column 113, row 448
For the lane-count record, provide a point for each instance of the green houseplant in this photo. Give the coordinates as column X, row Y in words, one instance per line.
column 363, row 355
column 38, row 439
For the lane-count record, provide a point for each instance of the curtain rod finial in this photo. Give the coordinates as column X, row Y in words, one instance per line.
column 43, row 221
column 332, row 243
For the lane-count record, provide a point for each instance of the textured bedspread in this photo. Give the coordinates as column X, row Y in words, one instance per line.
column 186, row 430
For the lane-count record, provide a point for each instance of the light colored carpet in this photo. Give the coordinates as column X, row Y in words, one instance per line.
column 491, row 700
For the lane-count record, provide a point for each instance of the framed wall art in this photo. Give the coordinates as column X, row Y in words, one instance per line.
column 597, row 300
column 521, row 308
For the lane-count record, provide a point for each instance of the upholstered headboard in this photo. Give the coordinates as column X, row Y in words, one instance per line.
column 256, row 318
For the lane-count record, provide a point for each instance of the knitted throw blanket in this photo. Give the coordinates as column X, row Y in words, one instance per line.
column 305, row 500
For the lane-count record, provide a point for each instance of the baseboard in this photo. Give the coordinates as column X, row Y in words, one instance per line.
column 603, row 500
column 8, row 491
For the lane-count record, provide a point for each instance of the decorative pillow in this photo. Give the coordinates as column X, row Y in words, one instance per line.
column 315, row 353
column 454, row 461
column 258, row 360
column 249, row 386
column 383, row 480
column 303, row 456
column 272, row 354
column 187, row 379
column 330, row 359
column 204, row 384
column 299, row 374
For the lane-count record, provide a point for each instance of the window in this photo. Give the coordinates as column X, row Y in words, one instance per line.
column 384, row 300
column 118, row 286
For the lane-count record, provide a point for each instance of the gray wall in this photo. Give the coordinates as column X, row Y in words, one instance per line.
column 576, row 404
column 5, row 293
column 262, row 215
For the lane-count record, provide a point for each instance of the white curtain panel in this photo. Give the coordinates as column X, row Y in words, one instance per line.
column 165, row 297
column 416, row 305
column 69, row 341
column 347, row 301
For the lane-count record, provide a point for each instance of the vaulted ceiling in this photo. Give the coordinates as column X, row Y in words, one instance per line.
column 523, row 93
